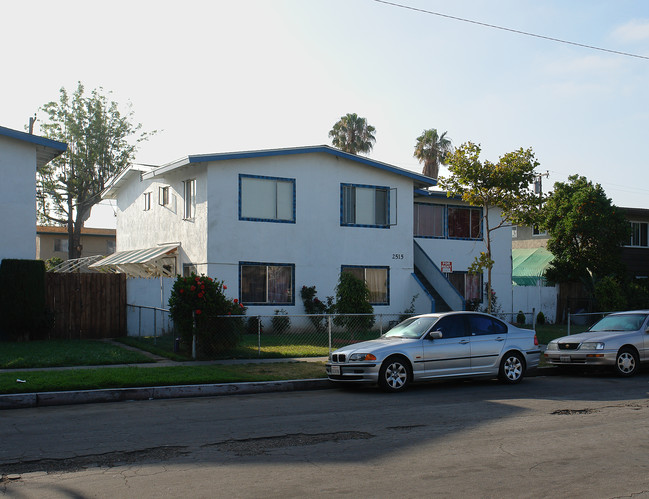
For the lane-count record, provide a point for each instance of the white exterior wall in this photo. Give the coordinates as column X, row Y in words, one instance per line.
column 18, row 199
column 139, row 229
column 316, row 243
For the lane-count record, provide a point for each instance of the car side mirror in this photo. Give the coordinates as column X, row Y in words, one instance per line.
column 435, row 335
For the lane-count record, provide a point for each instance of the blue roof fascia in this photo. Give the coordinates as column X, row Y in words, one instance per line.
column 435, row 194
column 203, row 158
column 33, row 139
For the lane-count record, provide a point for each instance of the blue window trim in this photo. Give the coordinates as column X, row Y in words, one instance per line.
column 444, row 222
column 269, row 264
column 387, row 284
column 364, row 186
column 272, row 220
column 480, row 238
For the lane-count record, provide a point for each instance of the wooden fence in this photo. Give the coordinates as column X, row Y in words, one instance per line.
column 86, row 306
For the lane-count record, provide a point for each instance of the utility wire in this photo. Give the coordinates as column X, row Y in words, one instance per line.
column 511, row 30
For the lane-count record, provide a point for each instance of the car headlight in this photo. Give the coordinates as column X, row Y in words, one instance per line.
column 356, row 357
column 553, row 345
column 592, row 345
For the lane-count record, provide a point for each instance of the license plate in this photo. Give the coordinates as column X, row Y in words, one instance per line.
column 335, row 370
column 564, row 358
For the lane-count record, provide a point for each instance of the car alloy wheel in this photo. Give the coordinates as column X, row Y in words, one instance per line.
column 512, row 368
column 394, row 375
column 626, row 362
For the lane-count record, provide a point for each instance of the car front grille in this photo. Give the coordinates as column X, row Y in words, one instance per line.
column 338, row 357
column 568, row 346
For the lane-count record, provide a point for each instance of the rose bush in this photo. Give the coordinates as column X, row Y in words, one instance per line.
column 202, row 300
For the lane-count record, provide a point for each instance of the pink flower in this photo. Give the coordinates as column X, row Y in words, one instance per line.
column 235, row 300
column 225, row 287
column 193, row 288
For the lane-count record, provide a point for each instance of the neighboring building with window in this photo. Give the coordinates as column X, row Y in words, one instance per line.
column 21, row 154
column 636, row 254
column 53, row 242
column 269, row 222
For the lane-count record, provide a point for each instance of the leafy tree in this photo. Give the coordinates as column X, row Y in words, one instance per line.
column 586, row 232
column 505, row 186
column 101, row 142
column 352, row 134
column 432, row 150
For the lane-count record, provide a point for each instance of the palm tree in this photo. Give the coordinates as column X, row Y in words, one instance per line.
column 432, row 150
column 352, row 134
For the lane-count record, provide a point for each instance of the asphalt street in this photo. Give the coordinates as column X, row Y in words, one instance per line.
column 550, row 436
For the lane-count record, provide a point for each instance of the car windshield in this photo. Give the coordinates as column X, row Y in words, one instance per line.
column 411, row 328
column 619, row 322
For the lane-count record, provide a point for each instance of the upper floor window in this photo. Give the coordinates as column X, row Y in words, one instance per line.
column 267, row 284
column 377, row 280
column 514, row 231
column 639, row 234
column 429, row 220
column 61, row 245
column 365, row 205
column 266, row 199
column 189, row 193
column 536, row 231
column 147, row 201
column 163, row 196
column 464, row 222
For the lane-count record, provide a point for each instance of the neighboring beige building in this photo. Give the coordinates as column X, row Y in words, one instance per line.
column 53, row 242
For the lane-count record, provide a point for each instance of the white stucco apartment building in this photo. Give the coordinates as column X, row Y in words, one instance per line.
column 269, row 222
column 21, row 154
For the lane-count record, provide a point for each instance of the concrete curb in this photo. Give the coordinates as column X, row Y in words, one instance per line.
column 29, row 400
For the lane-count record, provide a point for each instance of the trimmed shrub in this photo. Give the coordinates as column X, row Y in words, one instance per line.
column 280, row 322
column 353, row 297
column 540, row 318
column 520, row 317
column 22, row 300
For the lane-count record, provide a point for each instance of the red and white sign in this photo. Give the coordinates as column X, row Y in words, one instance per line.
column 447, row 267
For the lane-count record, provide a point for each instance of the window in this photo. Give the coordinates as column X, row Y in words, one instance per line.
column 429, row 220
column 514, row 231
column 465, row 223
column 452, row 326
column 468, row 285
column 538, row 232
column 377, row 280
column 147, row 201
column 163, row 196
column 189, row 269
column 482, row 325
column 365, row 205
column 266, row 199
column 61, row 245
column 189, row 192
column 110, row 246
column 267, row 284
column 639, row 234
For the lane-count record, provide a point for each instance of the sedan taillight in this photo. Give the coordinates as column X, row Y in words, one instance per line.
column 536, row 340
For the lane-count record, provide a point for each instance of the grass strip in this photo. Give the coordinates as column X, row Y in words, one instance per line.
column 126, row 377
column 61, row 353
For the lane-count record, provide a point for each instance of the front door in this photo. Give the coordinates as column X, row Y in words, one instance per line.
column 451, row 354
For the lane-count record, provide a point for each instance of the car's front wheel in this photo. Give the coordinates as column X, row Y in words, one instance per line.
column 394, row 375
column 626, row 362
column 512, row 368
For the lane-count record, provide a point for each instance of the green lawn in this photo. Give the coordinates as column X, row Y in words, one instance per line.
column 123, row 377
column 547, row 332
column 57, row 353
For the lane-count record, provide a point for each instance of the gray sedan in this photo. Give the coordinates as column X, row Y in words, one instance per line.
column 619, row 340
column 434, row 346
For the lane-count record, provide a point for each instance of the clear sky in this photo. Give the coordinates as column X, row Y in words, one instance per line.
column 217, row 76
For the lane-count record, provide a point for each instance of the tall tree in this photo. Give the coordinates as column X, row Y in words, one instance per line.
column 353, row 134
column 432, row 150
column 505, row 186
column 586, row 232
column 101, row 142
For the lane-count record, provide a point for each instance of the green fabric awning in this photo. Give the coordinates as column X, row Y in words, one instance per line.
column 529, row 264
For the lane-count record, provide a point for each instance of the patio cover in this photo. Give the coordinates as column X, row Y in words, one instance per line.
column 529, row 264
column 149, row 262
